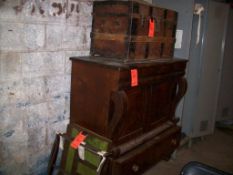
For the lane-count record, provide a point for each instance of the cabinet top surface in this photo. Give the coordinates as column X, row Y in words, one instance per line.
column 126, row 64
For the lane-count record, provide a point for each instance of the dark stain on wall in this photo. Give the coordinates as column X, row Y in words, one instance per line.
column 19, row 7
column 58, row 6
column 57, row 97
column 9, row 133
column 72, row 7
column 19, row 105
column 41, row 11
column 33, row 9
column 64, row 7
column 77, row 8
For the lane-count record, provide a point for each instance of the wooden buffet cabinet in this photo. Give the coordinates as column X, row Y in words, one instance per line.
column 135, row 112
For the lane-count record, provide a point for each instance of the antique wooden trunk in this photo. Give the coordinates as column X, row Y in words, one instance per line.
column 132, row 30
column 122, row 101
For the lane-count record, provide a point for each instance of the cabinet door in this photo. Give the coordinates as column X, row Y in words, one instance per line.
column 132, row 122
column 159, row 98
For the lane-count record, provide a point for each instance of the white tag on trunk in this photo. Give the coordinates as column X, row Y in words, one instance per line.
column 81, row 152
column 61, row 143
column 179, row 38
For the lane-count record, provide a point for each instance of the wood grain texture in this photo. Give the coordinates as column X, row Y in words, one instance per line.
column 103, row 100
column 140, row 120
column 120, row 30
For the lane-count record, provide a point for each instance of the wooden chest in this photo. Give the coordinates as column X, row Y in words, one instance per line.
column 122, row 101
column 120, row 30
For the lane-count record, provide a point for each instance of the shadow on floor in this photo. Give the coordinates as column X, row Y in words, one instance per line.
column 215, row 150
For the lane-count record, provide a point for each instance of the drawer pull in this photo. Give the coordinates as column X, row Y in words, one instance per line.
column 135, row 168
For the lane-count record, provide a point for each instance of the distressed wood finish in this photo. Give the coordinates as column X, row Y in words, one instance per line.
column 144, row 156
column 120, row 30
column 103, row 100
column 138, row 120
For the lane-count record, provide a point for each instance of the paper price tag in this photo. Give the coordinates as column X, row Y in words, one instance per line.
column 78, row 140
column 81, row 152
column 134, row 77
column 61, row 144
column 151, row 32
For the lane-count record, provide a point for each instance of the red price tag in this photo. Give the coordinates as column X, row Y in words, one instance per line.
column 134, row 77
column 78, row 140
column 151, row 32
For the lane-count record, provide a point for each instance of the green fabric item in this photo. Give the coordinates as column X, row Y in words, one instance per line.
column 89, row 156
column 92, row 158
column 82, row 169
column 70, row 154
column 69, row 161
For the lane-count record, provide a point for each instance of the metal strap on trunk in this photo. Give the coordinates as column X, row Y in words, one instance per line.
column 123, row 38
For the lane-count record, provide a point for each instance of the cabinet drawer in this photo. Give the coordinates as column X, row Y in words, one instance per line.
column 146, row 155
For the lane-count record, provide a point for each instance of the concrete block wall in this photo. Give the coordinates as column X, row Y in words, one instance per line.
column 37, row 37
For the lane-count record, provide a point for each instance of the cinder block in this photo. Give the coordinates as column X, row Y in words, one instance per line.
column 34, row 11
column 13, row 136
column 37, row 138
column 21, row 37
column 42, row 89
column 86, row 13
column 56, row 109
column 42, row 64
column 11, row 93
column 34, row 36
column 37, row 116
column 54, row 37
column 10, row 130
column 74, row 38
column 11, row 67
column 11, row 37
column 42, row 11
column 33, row 64
column 57, row 10
column 41, row 119
column 9, row 11
column 58, row 118
column 73, row 12
column 55, row 86
column 36, row 89
column 37, row 127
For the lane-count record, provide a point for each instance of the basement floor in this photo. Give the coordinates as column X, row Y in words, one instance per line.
column 215, row 150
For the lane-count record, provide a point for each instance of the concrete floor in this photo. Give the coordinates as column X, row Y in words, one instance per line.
column 215, row 150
